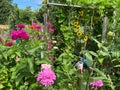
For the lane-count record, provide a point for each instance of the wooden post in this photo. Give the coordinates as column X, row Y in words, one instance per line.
column 104, row 28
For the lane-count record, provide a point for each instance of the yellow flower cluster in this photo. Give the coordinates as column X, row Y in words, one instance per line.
column 77, row 26
column 81, row 14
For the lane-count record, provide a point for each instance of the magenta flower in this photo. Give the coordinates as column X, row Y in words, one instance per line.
column 46, row 77
column 9, row 44
column 38, row 27
column 21, row 26
column 23, row 35
column 51, row 30
column 49, row 24
column 97, row 84
column 34, row 24
column 49, row 47
column 19, row 34
column 14, row 35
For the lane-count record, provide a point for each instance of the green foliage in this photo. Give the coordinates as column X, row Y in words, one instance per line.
column 5, row 7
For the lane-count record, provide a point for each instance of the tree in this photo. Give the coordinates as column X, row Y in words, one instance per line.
column 5, row 7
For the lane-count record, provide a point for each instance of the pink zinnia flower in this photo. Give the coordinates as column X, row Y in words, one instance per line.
column 23, row 35
column 38, row 27
column 19, row 34
column 97, row 84
column 20, row 26
column 46, row 77
column 51, row 30
column 14, row 35
column 49, row 24
column 9, row 44
column 49, row 47
column 45, row 66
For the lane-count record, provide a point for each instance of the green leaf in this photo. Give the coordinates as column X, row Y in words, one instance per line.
column 34, row 86
column 18, row 79
column 97, row 78
column 100, row 60
column 31, row 51
column 31, row 65
column 22, row 87
column 89, row 59
column 93, row 53
column 1, row 86
column 99, row 72
column 117, row 66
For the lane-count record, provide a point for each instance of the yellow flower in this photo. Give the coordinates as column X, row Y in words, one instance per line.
column 35, row 32
column 81, row 13
column 78, row 27
column 75, row 23
column 85, row 38
column 110, row 33
column 79, row 34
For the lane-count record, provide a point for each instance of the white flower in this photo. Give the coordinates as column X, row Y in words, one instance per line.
column 55, row 47
column 54, row 41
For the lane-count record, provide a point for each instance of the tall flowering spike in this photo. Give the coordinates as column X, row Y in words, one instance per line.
column 46, row 77
column 51, row 30
column 49, row 24
column 20, row 26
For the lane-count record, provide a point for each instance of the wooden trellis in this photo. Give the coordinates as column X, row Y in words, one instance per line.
column 105, row 19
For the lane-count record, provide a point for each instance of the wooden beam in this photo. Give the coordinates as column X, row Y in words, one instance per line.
column 67, row 5
column 104, row 28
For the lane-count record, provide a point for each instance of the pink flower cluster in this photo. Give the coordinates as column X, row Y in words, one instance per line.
column 49, row 24
column 38, row 27
column 20, row 26
column 51, row 30
column 19, row 34
column 46, row 77
column 97, row 84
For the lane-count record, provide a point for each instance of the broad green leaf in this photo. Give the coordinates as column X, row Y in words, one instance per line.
column 22, row 87
column 117, row 66
column 34, row 86
column 18, row 79
column 89, row 59
column 99, row 72
column 1, row 86
column 93, row 53
column 100, row 60
column 31, row 65
column 97, row 78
